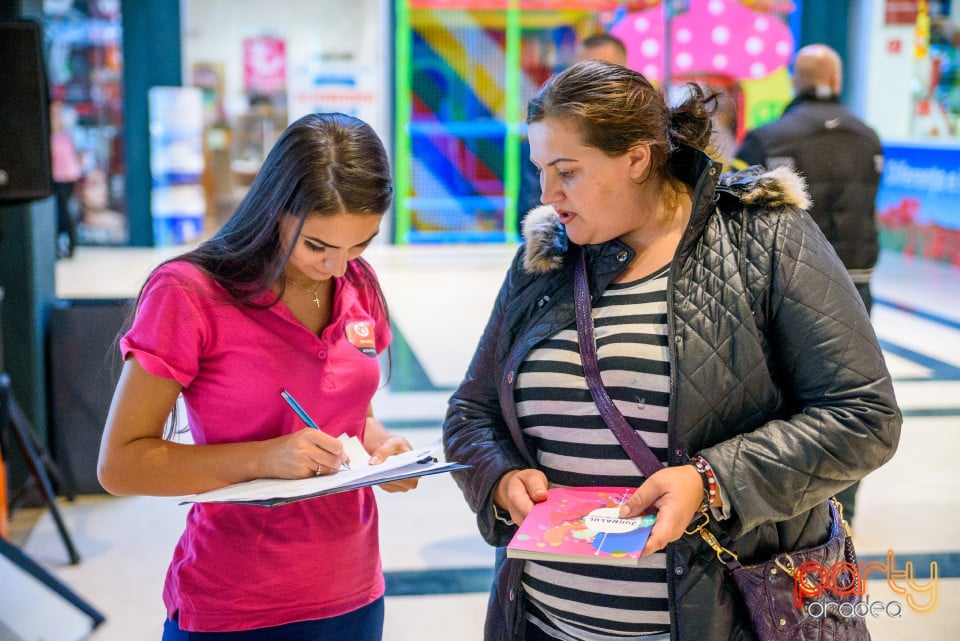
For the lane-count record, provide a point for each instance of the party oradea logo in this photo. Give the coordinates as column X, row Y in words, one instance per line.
column 839, row 589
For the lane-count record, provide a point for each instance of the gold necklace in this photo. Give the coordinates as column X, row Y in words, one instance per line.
column 316, row 299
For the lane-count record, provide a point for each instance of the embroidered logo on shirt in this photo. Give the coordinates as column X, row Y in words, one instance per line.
column 360, row 334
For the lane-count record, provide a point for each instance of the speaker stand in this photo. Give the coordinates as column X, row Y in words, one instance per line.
column 34, row 569
column 37, row 459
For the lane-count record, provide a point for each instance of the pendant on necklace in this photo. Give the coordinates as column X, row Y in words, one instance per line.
column 315, row 293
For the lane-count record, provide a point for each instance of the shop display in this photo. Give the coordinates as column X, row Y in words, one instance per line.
column 83, row 47
column 176, row 164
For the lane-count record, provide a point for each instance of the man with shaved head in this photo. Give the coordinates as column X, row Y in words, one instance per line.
column 841, row 159
column 817, row 68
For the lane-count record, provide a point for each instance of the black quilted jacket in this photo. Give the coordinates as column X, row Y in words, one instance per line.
column 841, row 159
column 776, row 378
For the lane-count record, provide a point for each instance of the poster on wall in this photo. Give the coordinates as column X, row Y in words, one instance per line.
column 334, row 81
column 900, row 12
column 264, row 65
column 918, row 205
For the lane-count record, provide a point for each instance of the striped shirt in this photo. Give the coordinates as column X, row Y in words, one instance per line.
column 576, row 448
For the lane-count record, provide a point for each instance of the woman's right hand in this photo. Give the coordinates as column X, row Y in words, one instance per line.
column 307, row 452
column 518, row 490
column 136, row 459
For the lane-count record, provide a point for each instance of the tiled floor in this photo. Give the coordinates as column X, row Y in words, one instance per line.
column 437, row 567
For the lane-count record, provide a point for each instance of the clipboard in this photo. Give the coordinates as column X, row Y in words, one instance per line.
column 273, row 492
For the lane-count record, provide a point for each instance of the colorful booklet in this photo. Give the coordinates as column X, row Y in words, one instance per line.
column 582, row 525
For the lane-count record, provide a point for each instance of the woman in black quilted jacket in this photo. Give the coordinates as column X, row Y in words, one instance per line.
column 728, row 335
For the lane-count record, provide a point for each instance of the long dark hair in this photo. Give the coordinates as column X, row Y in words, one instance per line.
column 323, row 164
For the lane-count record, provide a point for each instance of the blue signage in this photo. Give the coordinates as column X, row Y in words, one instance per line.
column 918, row 205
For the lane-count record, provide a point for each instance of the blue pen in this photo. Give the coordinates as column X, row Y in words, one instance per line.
column 292, row 402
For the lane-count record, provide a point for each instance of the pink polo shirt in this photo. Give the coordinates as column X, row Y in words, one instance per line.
column 239, row 567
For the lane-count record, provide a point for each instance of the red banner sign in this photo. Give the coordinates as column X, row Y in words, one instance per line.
column 900, row 12
column 264, row 65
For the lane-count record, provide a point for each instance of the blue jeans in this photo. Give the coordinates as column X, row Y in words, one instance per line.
column 365, row 624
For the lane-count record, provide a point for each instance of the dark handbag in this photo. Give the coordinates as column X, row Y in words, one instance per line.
column 807, row 595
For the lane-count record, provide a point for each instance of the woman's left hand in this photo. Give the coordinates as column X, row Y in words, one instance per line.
column 676, row 493
column 387, row 447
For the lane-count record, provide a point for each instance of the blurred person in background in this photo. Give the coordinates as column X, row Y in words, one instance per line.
column 66, row 170
column 602, row 46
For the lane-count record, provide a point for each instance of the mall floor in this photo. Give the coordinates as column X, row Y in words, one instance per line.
column 436, row 565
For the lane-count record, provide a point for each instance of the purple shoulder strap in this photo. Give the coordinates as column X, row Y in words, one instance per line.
column 638, row 451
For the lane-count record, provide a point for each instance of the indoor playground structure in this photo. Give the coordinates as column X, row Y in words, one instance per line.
column 465, row 71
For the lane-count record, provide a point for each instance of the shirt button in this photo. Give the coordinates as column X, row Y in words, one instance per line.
column 322, row 352
column 678, row 571
column 622, row 256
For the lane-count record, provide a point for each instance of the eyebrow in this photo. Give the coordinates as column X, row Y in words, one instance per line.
column 326, row 244
column 553, row 162
column 556, row 160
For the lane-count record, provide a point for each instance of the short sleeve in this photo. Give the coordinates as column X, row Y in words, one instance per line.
column 169, row 329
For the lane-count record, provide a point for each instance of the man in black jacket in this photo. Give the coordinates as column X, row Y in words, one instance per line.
column 841, row 159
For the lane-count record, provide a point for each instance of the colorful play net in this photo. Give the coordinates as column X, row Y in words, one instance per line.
column 465, row 71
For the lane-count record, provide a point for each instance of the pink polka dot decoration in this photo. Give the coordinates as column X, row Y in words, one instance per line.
column 714, row 37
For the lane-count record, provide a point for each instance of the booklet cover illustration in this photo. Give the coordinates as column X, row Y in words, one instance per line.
column 582, row 525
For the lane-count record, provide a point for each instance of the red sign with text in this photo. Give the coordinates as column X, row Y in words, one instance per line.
column 264, row 65
column 903, row 12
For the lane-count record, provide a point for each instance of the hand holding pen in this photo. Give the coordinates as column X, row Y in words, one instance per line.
column 344, row 465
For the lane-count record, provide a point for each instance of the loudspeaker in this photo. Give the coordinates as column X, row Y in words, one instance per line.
column 84, row 366
column 25, row 172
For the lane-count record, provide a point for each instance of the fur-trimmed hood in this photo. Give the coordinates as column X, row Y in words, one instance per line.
column 546, row 238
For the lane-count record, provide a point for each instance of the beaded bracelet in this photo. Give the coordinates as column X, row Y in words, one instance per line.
column 709, row 479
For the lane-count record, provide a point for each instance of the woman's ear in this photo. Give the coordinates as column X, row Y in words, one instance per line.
column 639, row 162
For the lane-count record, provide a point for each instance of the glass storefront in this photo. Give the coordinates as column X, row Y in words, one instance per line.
column 916, row 50
column 260, row 69
column 83, row 48
column 944, row 85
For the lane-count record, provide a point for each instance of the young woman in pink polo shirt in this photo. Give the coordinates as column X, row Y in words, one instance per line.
column 279, row 299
